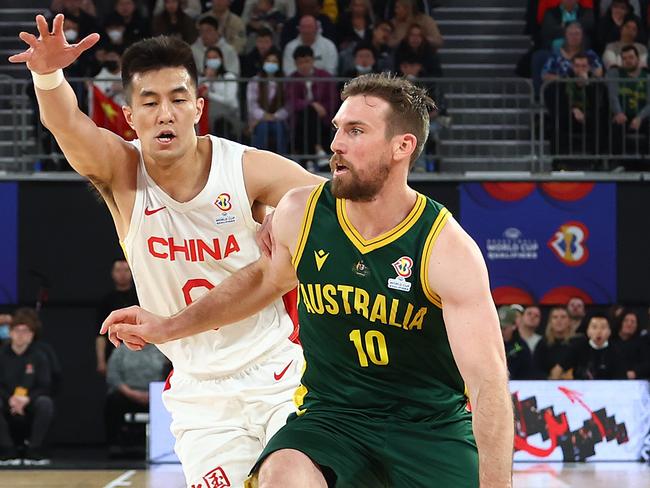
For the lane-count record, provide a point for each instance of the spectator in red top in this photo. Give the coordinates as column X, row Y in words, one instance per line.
column 311, row 105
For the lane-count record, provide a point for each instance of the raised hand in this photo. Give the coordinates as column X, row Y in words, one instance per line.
column 50, row 51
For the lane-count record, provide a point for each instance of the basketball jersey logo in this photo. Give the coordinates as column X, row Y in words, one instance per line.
column 223, row 202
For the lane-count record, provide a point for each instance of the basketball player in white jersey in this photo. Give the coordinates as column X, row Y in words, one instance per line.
column 182, row 209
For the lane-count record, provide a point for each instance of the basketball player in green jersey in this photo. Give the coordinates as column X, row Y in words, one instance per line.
column 397, row 323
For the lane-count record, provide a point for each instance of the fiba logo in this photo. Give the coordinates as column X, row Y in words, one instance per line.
column 403, row 266
column 223, row 202
column 569, row 243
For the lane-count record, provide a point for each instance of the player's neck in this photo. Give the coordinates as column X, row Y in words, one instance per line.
column 385, row 212
column 184, row 178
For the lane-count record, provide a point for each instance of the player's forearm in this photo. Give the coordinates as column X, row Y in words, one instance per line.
column 237, row 297
column 59, row 110
column 494, row 430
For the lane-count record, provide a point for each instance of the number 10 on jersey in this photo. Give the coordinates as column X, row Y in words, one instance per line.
column 372, row 347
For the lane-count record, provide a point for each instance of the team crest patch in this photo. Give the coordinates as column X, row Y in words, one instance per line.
column 404, row 268
column 216, row 479
column 223, row 202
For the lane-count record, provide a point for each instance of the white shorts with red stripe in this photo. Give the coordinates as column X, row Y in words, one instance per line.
column 221, row 426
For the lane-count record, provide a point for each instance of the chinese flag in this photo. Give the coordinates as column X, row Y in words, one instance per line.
column 204, row 122
column 108, row 114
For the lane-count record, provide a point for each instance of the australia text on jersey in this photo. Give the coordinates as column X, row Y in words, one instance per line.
column 336, row 299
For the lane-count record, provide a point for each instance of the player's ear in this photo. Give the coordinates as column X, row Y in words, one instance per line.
column 128, row 115
column 200, row 103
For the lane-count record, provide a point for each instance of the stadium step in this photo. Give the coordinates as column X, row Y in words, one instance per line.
column 487, row 13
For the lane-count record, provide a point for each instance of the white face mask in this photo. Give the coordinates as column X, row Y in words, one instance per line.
column 363, row 69
column 213, row 63
column 115, row 35
column 70, row 35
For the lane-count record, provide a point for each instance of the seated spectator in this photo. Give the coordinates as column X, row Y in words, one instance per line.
column 384, row 9
column 355, row 25
column 629, row 101
column 559, row 64
column 379, row 41
column 231, row 26
column 124, row 25
column 365, row 60
column 74, row 7
column 85, row 64
column 109, row 78
column 173, row 21
column 252, row 62
column 128, row 376
column 629, row 31
column 122, row 295
column 604, row 6
column 416, row 46
column 264, row 17
column 528, row 326
column 5, row 325
column 518, row 355
column 286, row 7
column 191, row 8
column 578, row 111
column 83, row 12
column 220, row 88
column 209, row 36
column 406, row 15
column 557, row 19
column 635, row 354
column 552, row 350
column 324, row 51
column 325, row 26
column 267, row 111
column 311, row 106
column 593, row 357
column 25, row 394
column 609, row 26
column 576, row 306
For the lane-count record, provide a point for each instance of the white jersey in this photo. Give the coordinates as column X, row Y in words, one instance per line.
column 178, row 251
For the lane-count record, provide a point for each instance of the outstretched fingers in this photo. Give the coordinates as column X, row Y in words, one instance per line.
column 43, row 28
column 86, row 43
column 57, row 25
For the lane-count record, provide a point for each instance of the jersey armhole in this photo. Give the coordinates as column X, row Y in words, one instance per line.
column 305, row 225
column 137, row 215
column 436, row 228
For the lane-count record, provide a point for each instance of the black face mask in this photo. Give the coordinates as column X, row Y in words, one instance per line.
column 111, row 65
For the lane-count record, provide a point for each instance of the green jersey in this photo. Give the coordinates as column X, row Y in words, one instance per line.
column 371, row 327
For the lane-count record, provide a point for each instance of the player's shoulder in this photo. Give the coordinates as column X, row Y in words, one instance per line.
column 296, row 200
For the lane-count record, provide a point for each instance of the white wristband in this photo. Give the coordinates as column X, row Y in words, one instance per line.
column 49, row 81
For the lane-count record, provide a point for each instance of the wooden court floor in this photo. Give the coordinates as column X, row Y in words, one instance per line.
column 551, row 475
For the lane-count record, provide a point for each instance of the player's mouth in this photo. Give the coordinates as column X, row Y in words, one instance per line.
column 165, row 137
column 338, row 165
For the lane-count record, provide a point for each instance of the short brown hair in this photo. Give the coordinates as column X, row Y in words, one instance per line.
column 154, row 54
column 29, row 317
column 409, row 104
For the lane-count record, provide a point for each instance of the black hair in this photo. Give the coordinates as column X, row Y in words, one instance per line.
column 156, row 53
column 303, row 52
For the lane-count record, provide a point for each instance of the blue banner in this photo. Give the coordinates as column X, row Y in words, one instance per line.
column 8, row 243
column 545, row 242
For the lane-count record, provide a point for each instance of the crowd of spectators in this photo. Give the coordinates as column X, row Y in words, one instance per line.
column 259, row 40
column 577, row 43
column 574, row 343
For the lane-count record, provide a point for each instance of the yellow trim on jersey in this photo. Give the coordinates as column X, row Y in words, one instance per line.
column 300, row 393
column 437, row 226
column 123, row 246
column 392, row 235
column 305, row 226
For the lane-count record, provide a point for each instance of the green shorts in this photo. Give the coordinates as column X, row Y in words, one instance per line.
column 357, row 451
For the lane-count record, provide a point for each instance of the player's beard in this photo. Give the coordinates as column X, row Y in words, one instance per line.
column 353, row 186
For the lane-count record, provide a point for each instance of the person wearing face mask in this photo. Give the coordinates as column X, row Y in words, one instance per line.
column 267, row 111
column 109, row 78
column 134, row 27
column 364, row 60
column 220, row 88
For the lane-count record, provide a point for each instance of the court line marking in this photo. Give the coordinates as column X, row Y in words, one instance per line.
column 122, row 480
